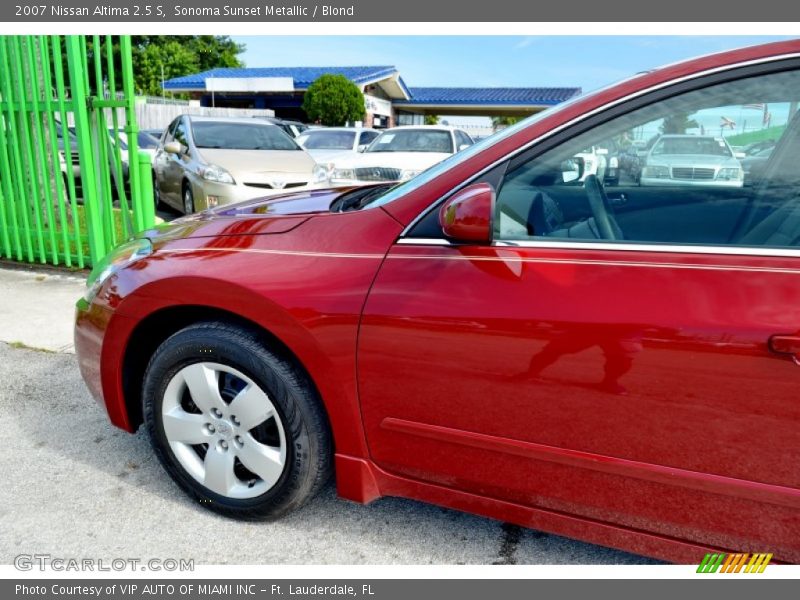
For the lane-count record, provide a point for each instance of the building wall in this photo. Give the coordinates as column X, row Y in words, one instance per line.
column 404, row 117
column 386, row 121
column 156, row 113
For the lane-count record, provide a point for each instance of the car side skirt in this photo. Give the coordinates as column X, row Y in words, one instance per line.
column 360, row 480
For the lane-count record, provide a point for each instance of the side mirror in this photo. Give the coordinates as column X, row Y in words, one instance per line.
column 468, row 215
column 463, row 147
column 173, row 148
column 739, row 155
column 362, row 147
column 572, row 169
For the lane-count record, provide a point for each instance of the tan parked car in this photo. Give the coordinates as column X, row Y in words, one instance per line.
column 202, row 162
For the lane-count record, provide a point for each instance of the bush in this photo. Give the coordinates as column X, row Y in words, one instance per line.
column 333, row 100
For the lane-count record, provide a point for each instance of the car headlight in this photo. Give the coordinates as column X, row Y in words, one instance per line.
column 121, row 256
column 656, row 172
column 217, row 174
column 320, row 173
column 346, row 174
column 730, row 174
column 407, row 174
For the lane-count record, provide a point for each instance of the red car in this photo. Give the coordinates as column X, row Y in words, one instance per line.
column 499, row 335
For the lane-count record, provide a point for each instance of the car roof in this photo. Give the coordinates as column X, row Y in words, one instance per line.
column 431, row 127
column 337, row 129
column 239, row 120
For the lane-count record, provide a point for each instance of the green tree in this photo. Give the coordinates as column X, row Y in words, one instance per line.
column 177, row 56
column 153, row 61
column 215, row 51
column 678, row 123
column 334, row 100
column 500, row 122
column 431, row 119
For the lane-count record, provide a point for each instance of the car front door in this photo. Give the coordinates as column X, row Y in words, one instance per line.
column 635, row 380
column 161, row 164
column 175, row 167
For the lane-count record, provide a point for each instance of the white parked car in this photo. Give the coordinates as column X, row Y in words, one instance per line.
column 594, row 162
column 694, row 160
column 146, row 143
column 399, row 154
column 327, row 144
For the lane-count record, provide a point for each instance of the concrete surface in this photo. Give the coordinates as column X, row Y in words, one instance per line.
column 37, row 308
column 74, row 486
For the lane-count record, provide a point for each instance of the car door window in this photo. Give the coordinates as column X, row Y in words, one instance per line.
column 678, row 171
column 462, row 139
column 169, row 134
column 367, row 137
column 180, row 134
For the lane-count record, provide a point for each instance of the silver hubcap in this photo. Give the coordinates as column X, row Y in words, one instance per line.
column 224, row 430
column 187, row 202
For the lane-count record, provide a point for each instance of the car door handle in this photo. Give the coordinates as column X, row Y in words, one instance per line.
column 618, row 200
column 786, row 344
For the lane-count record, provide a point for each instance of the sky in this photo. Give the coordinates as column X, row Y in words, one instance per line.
column 588, row 62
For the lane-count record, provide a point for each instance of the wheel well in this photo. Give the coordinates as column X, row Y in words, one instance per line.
column 157, row 327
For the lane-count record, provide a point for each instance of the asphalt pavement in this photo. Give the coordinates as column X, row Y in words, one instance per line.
column 73, row 485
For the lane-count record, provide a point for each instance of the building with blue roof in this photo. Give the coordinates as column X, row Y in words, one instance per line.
column 388, row 100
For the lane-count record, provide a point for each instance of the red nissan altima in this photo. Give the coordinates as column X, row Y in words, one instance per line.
column 506, row 334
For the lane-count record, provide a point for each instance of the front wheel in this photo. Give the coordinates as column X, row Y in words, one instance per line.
column 188, row 199
column 238, row 427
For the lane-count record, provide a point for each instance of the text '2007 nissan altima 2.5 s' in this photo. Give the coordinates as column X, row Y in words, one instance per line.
column 499, row 335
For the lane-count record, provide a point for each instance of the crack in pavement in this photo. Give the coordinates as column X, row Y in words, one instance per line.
column 512, row 534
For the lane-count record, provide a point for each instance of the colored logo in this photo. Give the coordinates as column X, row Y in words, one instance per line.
column 734, row 563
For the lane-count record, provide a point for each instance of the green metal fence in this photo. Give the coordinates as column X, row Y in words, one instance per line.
column 72, row 182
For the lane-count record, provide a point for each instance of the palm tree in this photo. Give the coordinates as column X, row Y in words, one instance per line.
column 501, row 122
column 678, row 123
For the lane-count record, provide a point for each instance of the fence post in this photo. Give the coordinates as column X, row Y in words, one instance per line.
column 144, row 203
column 78, row 87
column 143, row 214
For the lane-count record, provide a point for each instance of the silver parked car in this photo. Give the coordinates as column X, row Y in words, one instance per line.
column 202, row 162
column 699, row 160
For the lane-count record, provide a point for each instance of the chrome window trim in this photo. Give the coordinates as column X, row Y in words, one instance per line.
column 590, row 114
column 620, row 246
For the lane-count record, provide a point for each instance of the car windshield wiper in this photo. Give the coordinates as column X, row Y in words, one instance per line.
column 358, row 199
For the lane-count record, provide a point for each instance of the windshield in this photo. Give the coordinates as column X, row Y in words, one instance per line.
column 692, row 145
column 413, row 140
column 448, row 163
column 122, row 143
column 240, row 136
column 327, row 140
column 146, row 141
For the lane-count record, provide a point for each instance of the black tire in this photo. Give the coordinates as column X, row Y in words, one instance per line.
column 308, row 440
column 188, row 199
